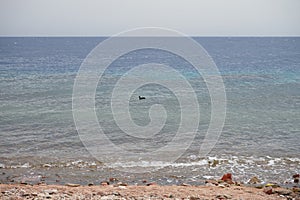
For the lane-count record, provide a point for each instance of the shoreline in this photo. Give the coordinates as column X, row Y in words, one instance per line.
column 224, row 188
column 18, row 191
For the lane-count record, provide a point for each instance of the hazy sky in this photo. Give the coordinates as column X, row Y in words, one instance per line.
column 107, row 17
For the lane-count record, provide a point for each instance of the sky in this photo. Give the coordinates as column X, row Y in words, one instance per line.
column 109, row 17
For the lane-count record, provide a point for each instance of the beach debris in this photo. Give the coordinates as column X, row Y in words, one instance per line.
column 72, row 184
column 254, row 180
column 273, row 185
column 296, row 178
column 227, row 178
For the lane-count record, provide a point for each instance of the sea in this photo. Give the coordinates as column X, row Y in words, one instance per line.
column 40, row 141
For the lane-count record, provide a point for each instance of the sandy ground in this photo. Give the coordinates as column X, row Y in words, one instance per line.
column 17, row 191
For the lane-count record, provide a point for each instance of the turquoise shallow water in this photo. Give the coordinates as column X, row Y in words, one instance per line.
column 262, row 83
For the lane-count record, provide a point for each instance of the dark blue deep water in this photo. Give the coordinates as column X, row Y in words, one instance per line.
column 260, row 137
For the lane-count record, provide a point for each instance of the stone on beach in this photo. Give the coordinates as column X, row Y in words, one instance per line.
column 227, row 178
column 296, row 178
column 268, row 190
column 72, row 184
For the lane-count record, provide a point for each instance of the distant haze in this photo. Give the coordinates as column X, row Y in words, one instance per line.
column 107, row 17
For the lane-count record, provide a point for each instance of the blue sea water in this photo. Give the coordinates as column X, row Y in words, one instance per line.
column 262, row 126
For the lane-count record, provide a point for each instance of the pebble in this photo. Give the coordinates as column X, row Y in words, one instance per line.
column 268, row 190
column 51, row 191
column 113, row 179
column 296, row 178
column 223, row 196
column 72, row 184
column 122, row 184
column 212, row 182
column 152, row 183
column 185, row 184
column 104, row 183
column 34, row 194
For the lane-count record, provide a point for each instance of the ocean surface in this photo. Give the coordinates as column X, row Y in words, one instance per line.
column 260, row 137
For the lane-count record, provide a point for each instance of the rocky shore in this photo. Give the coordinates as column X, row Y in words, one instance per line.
column 225, row 188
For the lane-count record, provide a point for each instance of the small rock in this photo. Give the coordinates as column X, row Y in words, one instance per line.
column 254, row 180
column 223, row 196
column 104, row 183
column 113, row 179
column 116, row 193
column 185, row 184
column 53, row 191
column 238, row 183
column 259, row 186
column 25, row 194
column 194, row 198
column 150, row 184
column 296, row 176
column 72, row 184
column 122, row 184
column 296, row 189
column 268, row 190
column 90, row 184
column 283, row 191
column 227, row 178
column 34, row 194
column 214, row 182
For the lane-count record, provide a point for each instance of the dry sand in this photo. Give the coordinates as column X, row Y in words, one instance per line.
column 18, row 191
